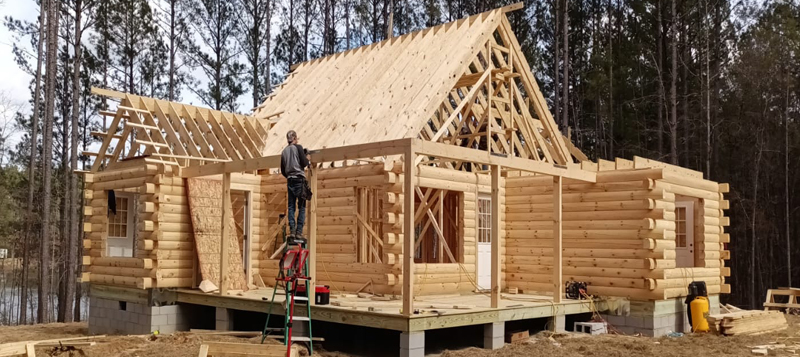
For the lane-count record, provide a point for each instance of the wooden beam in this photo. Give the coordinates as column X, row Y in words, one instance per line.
column 573, row 171
column 226, row 216
column 558, row 291
column 312, row 234
column 408, row 230
column 496, row 288
column 352, row 152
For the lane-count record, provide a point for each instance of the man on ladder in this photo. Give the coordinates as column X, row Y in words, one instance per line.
column 294, row 160
column 293, row 266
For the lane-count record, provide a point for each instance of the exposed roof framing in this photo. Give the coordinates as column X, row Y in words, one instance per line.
column 175, row 134
column 464, row 83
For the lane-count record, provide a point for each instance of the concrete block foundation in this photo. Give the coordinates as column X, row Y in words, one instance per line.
column 494, row 335
column 121, row 317
column 412, row 344
column 652, row 318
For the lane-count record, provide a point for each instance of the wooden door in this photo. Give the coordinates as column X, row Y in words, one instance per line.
column 684, row 234
column 484, row 264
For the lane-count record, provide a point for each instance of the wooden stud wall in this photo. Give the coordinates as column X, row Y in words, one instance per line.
column 337, row 259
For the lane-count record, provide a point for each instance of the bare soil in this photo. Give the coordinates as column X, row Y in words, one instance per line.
column 184, row 344
column 575, row 345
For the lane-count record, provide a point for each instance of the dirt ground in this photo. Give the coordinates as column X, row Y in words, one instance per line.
column 544, row 344
column 575, row 345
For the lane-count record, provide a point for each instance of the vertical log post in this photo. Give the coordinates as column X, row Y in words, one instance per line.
column 496, row 288
column 558, row 267
column 408, row 230
column 224, row 232
column 312, row 236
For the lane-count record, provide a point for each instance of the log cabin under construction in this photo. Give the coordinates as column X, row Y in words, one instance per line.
column 442, row 132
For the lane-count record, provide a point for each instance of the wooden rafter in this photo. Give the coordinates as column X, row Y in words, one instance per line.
column 174, row 133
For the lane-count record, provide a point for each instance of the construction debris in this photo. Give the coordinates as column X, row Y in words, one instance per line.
column 26, row 348
column 747, row 322
column 207, row 286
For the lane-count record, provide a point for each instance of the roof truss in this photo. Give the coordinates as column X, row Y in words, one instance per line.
column 496, row 106
column 175, row 134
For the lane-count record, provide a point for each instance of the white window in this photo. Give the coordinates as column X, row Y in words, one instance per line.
column 120, row 228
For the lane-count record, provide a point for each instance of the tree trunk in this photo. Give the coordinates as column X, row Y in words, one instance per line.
column 673, row 88
column 72, row 243
column 754, row 234
column 44, row 308
column 172, row 46
column 660, row 69
column 786, row 184
column 565, row 33
column 267, row 39
column 556, row 58
column 23, row 296
column 708, row 100
column 610, row 61
column 685, row 57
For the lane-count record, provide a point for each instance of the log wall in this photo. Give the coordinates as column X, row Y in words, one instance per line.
column 618, row 233
column 165, row 249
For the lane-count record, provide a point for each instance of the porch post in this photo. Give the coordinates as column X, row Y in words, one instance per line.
column 224, row 232
column 558, row 290
column 312, row 236
column 496, row 288
column 409, row 175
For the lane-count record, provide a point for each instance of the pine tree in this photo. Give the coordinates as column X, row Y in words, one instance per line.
column 174, row 24
column 254, row 38
column 217, row 53
column 44, row 309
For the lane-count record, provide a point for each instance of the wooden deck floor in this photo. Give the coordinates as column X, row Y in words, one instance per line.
column 435, row 312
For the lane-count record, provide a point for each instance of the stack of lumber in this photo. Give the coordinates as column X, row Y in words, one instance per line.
column 747, row 322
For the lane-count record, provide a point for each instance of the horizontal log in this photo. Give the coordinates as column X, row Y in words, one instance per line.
column 123, row 174
column 173, row 264
column 658, row 193
column 640, row 224
column 583, row 187
column 122, row 262
column 595, row 272
column 608, row 252
column 138, row 282
column 691, row 273
column 523, row 215
column 174, row 283
column 592, row 280
column 643, row 204
column 584, row 233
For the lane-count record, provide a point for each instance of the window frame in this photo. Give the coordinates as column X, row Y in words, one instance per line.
column 129, row 225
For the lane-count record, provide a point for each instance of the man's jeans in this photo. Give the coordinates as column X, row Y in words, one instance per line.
column 297, row 200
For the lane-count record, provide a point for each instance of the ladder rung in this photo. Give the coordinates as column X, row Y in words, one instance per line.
column 301, row 298
column 300, row 318
column 274, row 329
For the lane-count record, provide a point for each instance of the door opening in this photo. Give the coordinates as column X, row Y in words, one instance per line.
column 241, row 205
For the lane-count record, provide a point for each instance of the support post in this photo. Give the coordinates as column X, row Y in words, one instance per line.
column 558, row 267
column 312, row 236
column 494, row 335
column 412, row 344
column 410, row 170
column 496, row 288
column 224, row 232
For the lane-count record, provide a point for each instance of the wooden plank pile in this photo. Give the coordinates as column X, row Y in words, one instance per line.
column 747, row 322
